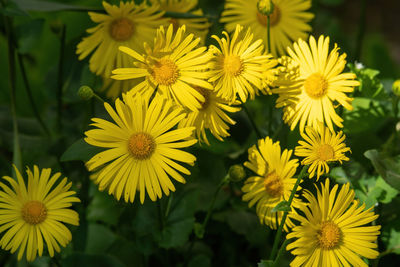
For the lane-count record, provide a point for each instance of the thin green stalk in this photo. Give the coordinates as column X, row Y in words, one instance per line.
column 98, row 98
column 60, row 80
column 169, row 205
column 279, row 232
column 30, row 96
column 12, row 82
column 253, row 124
column 269, row 33
column 280, row 252
column 395, row 105
column 210, row 209
column 361, row 29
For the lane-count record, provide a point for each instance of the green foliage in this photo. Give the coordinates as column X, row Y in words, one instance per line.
column 80, row 150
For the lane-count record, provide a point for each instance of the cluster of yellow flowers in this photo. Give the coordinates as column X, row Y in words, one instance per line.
column 174, row 88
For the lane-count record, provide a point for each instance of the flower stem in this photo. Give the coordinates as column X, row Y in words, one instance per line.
column 269, row 33
column 210, row 209
column 167, row 210
column 280, row 252
column 12, row 82
column 279, row 232
column 30, row 96
column 60, row 80
column 253, row 124
column 361, row 29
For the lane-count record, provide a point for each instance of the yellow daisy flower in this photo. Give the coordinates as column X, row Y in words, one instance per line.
column 238, row 67
column 141, row 149
column 332, row 231
column 211, row 116
column 173, row 66
column 272, row 183
column 288, row 22
column 198, row 26
column 33, row 214
column 320, row 147
column 317, row 85
column 128, row 25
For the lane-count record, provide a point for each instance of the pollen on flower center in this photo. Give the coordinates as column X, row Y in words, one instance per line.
column 206, row 94
column 141, row 145
column 232, row 65
column 34, row 212
column 165, row 72
column 273, row 184
column 326, row 152
column 121, row 29
column 329, row 235
column 316, row 86
column 275, row 17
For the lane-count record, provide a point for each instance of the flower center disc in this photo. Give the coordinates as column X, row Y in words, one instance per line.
column 274, row 18
column 329, row 235
column 325, row 152
column 121, row 29
column 316, row 86
column 165, row 72
column 206, row 95
column 141, row 146
column 273, row 184
column 233, row 65
column 34, row 212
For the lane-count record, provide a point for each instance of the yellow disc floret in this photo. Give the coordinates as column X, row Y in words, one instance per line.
column 141, row 145
column 316, row 86
column 121, row 29
column 273, row 184
column 165, row 72
column 329, row 235
column 34, row 212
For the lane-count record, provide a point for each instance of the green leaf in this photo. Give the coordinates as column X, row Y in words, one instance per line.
column 394, row 241
column 282, row 206
column 387, row 167
column 265, row 263
column 82, row 259
column 35, row 5
column 11, row 9
column 370, row 84
column 80, row 150
column 104, row 208
column 28, row 34
column 200, row 261
column 99, row 238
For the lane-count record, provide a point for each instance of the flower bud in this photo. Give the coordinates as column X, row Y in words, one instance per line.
column 265, row 7
column 236, row 173
column 85, row 92
column 396, row 87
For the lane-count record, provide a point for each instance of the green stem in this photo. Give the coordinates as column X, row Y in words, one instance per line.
column 60, row 80
column 279, row 232
column 361, row 29
column 395, row 106
column 98, row 98
column 12, row 81
column 269, row 33
column 160, row 215
column 253, row 124
column 280, row 252
column 210, row 209
column 168, row 209
column 30, row 96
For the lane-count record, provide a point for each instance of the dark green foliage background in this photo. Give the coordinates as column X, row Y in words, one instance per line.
column 113, row 233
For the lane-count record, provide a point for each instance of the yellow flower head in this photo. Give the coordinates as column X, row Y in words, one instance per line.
column 288, row 21
column 174, row 66
column 198, row 26
column 128, row 25
column 141, row 149
column 333, row 231
column 321, row 147
column 239, row 66
column 210, row 116
column 33, row 214
column 314, row 84
column 272, row 183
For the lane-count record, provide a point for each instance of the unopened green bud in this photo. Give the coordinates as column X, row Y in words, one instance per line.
column 265, row 7
column 236, row 173
column 396, row 87
column 85, row 92
column 56, row 26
